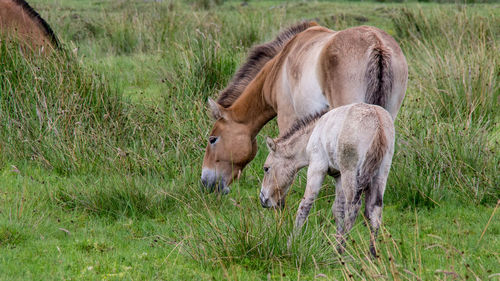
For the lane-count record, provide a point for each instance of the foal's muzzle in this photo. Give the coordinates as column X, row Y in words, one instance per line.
column 264, row 201
column 267, row 202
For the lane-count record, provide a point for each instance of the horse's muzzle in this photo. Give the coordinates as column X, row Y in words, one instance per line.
column 211, row 182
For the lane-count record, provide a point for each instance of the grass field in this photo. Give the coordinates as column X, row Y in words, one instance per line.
column 101, row 148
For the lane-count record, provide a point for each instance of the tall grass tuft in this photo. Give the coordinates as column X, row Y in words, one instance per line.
column 251, row 236
column 54, row 111
column 448, row 119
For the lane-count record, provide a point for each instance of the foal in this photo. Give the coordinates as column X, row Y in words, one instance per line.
column 354, row 143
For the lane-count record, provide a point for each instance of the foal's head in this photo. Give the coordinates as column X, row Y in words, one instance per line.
column 279, row 171
column 229, row 149
column 286, row 157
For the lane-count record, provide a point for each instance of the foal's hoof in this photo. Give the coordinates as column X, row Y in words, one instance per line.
column 373, row 252
column 340, row 249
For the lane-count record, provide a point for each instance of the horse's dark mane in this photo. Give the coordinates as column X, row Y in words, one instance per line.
column 257, row 58
column 38, row 19
column 302, row 123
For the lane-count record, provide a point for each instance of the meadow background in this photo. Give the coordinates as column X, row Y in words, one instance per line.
column 101, row 148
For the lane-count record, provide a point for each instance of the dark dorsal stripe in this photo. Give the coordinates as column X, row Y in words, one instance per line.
column 40, row 21
column 257, row 58
column 302, row 123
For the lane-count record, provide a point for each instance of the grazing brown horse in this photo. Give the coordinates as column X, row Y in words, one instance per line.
column 20, row 21
column 305, row 70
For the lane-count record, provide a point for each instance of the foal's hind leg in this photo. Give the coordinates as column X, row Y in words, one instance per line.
column 338, row 204
column 373, row 208
column 338, row 212
column 346, row 206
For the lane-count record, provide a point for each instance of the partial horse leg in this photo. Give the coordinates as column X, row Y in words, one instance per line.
column 338, row 212
column 373, row 209
column 352, row 194
column 315, row 176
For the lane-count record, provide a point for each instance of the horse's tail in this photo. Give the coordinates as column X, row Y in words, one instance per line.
column 374, row 156
column 379, row 75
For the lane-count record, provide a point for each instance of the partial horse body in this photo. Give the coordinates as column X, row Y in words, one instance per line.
column 20, row 21
column 306, row 70
column 355, row 143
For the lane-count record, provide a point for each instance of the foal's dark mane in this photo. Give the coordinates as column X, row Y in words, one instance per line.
column 257, row 58
column 40, row 21
column 301, row 124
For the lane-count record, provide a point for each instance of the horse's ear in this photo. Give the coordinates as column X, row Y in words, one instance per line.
column 216, row 109
column 271, row 145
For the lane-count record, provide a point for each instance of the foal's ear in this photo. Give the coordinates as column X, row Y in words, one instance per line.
column 271, row 145
column 216, row 109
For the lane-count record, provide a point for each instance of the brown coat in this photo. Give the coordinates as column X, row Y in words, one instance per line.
column 20, row 21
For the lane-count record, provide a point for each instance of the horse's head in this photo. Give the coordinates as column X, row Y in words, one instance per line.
column 279, row 172
column 230, row 147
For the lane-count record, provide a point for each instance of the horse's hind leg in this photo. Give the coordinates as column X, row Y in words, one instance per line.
column 373, row 208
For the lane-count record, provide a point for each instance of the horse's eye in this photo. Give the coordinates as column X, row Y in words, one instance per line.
column 212, row 139
column 266, row 169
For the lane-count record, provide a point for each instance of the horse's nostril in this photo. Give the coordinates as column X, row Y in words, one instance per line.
column 206, row 185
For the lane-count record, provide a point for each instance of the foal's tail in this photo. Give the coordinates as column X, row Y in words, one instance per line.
column 379, row 75
column 374, row 157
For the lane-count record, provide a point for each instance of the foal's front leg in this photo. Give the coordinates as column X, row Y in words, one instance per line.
column 315, row 177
